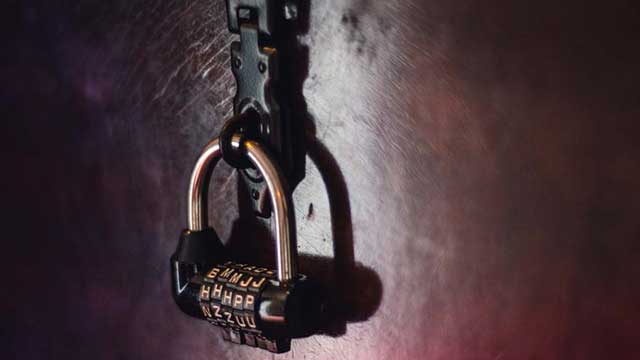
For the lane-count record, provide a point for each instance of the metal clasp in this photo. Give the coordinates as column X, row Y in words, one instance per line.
column 255, row 62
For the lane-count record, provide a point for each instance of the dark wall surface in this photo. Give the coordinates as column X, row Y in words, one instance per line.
column 471, row 190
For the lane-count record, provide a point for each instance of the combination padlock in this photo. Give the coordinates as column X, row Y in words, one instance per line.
column 251, row 305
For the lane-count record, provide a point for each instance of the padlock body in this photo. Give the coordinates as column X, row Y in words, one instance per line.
column 196, row 252
column 252, row 307
column 294, row 309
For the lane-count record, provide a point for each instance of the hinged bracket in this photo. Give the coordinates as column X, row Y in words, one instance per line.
column 255, row 63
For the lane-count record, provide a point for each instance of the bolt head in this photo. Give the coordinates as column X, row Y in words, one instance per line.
column 290, row 10
column 237, row 62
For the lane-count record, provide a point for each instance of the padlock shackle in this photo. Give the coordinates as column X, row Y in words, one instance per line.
column 278, row 194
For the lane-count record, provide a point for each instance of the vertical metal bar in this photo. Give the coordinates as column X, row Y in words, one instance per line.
column 199, row 185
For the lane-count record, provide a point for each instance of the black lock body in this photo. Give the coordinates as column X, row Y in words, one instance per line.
column 252, row 307
column 196, row 252
column 293, row 309
column 247, row 302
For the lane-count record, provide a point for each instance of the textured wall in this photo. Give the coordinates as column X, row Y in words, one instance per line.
column 471, row 188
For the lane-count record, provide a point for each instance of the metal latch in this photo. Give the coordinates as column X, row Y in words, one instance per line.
column 256, row 59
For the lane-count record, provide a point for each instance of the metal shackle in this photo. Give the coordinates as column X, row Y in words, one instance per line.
column 278, row 193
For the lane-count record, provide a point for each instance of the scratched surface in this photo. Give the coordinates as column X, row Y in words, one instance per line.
column 471, row 188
